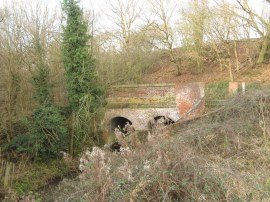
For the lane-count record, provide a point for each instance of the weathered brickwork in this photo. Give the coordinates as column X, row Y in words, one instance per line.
column 139, row 104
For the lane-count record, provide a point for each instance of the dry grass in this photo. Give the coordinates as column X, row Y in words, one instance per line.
column 221, row 157
column 6, row 175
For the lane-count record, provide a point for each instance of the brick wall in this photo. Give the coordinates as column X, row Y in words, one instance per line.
column 141, row 103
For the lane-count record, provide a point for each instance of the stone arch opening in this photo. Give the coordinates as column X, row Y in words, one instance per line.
column 118, row 122
column 165, row 120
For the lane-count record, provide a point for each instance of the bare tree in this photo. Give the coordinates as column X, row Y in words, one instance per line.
column 162, row 12
column 222, row 30
column 22, row 28
column 259, row 23
column 125, row 51
column 192, row 28
column 125, row 14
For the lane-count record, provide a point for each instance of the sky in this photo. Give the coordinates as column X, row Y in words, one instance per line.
column 101, row 8
column 99, row 5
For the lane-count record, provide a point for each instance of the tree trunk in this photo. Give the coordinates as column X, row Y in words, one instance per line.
column 230, row 63
column 95, row 132
column 263, row 51
column 199, row 66
column 230, row 70
column 173, row 60
column 236, row 56
column 220, row 64
column 72, row 132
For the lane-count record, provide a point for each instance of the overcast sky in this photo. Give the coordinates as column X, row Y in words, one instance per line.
column 101, row 8
column 100, row 5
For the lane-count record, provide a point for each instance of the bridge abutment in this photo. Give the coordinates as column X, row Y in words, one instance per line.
column 141, row 104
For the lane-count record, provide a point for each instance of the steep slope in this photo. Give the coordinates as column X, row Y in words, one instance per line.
column 167, row 74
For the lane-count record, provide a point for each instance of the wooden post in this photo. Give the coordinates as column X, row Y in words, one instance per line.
column 243, row 87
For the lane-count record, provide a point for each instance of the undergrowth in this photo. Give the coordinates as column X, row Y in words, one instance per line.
column 31, row 177
column 217, row 90
column 223, row 156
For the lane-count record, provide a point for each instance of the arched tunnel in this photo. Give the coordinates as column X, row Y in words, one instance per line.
column 165, row 120
column 148, row 105
column 118, row 122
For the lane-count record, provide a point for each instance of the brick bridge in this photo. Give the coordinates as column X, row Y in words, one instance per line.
column 141, row 104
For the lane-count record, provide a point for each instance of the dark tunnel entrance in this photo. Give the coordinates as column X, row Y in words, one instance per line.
column 118, row 122
column 160, row 120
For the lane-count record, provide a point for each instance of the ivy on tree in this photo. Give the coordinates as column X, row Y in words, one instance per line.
column 85, row 95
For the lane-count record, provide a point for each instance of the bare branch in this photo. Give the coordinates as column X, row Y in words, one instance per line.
column 125, row 15
column 253, row 17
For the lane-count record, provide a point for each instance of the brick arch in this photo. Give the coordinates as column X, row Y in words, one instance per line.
column 141, row 103
column 139, row 118
column 117, row 122
column 155, row 119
